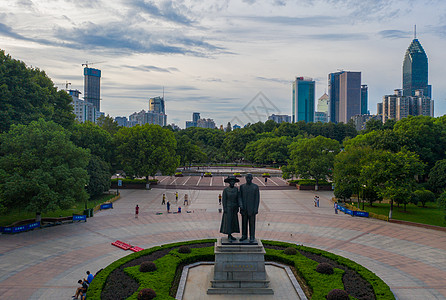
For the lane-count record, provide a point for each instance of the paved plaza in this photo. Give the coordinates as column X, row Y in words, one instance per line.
column 46, row 263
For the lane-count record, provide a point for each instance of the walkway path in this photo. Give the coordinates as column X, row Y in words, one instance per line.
column 46, row 264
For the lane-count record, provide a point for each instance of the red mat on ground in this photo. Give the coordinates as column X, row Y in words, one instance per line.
column 121, row 245
column 136, row 249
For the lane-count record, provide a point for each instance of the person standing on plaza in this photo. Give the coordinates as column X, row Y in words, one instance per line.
column 186, row 199
column 164, row 199
column 231, row 203
column 317, row 200
column 176, row 197
column 249, row 208
column 336, row 208
column 168, row 206
column 136, row 211
column 219, row 199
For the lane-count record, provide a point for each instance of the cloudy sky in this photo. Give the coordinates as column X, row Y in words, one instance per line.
column 230, row 60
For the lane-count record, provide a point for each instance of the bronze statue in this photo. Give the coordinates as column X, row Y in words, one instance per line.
column 250, row 198
column 231, row 204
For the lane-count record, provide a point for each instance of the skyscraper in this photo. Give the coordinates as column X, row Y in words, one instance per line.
column 345, row 95
column 157, row 105
column 92, row 87
column 364, row 99
column 303, row 99
column 415, row 70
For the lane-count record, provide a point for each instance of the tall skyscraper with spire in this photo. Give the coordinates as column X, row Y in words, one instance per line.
column 415, row 69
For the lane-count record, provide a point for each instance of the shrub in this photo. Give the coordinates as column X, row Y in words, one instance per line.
column 290, row 251
column 336, row 294
column 146, row 294
column 147, row 266
column 184, row 249
column 266, row 174
column 324, row 268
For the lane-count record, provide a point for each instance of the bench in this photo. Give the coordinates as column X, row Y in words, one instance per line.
column 136, row 249
column 122, row 245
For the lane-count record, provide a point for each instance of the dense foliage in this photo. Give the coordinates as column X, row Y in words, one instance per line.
column 40, row 168
column 27, row 94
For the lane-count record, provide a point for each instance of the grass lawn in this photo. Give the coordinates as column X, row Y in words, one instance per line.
column 430, row 214
column 15, row 215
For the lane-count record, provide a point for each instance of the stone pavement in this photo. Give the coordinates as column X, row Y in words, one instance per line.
column 46, row 264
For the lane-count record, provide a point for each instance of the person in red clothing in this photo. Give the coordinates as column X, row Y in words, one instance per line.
column 136, row 211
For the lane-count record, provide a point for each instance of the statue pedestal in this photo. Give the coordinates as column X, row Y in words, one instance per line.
column 239, row 268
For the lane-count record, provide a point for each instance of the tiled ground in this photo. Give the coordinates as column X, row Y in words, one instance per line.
column 46, row 264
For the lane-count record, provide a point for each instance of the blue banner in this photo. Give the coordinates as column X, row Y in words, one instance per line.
column 107, row 206
column 361, row 214
column 79, row 217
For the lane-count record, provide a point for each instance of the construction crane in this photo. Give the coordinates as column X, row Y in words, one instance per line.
column 66, row 84
column 87, row 63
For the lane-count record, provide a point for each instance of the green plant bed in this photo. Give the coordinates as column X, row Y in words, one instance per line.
column 170, row 264
column 129, row 180
column 431, row 214
column 15, row 215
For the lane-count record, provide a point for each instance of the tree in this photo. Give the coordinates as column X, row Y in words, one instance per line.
column 228, row 127
column 27, row 94
column 42, row 170
column 442, row 204
column 347, row 170
column 235, row 142
column 145, row 150
column 422, row 196
column 313, row 158
column 188, row 152
column 393, row 174
column 98, row 140
column 108, row 124
column 268, row 150
column 437, row 176
column 99, row 176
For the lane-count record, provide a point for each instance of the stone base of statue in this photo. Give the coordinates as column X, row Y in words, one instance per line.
column 239, row 268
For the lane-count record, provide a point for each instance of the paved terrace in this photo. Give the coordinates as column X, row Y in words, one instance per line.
column 46, row 264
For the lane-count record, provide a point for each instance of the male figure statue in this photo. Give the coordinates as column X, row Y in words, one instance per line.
column 250, row 198
column 231, row 204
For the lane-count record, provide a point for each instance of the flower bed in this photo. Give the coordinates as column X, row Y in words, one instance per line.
column 124, row 273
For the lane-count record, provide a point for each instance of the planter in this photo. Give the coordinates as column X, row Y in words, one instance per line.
column 207, row 175
column 178, row 175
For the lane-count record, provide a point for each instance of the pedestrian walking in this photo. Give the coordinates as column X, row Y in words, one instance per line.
column 266, row 179
column 164, row 199
column 219, row 199
column 136, row 211
column 336, row 208
column 317, row 201
column 176, row 197
column 168, row 206
column 186, row 200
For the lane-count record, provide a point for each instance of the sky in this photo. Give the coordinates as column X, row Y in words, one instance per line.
column 232, row 61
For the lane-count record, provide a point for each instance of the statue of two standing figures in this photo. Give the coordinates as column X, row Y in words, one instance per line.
column 246, row 200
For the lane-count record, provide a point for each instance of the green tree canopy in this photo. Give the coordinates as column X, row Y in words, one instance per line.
column 188, row 151
column 268, row 150
column 108, row 124
column 437, row 176
column 313, row 158
column 41, row 169
column 27, row 94
column 145, row 150
column 99, row 176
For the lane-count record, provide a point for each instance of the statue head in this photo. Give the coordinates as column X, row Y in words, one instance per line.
column 249, row 178
column 231, row 179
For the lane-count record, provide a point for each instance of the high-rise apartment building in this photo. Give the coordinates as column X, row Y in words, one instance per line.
column 322, row 103
column 280, row 118
column 415, row 70
column 398, row 106
column 344, row 89
column 83, row 110
column 92, row 87
column 303, row 99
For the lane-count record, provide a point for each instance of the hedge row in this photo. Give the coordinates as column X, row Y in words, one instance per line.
column 380, row 288
column 309, row 182
column 129, row 180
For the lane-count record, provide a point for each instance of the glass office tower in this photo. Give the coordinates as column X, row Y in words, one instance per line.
column 415, row 70
column 92, row 87
column 303, row 99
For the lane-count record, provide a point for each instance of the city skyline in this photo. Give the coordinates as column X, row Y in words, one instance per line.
column 215, row 57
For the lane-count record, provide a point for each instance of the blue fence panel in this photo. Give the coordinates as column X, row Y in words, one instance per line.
column 349, row 211
column 361, row 214
column 80, row 218
column 107, row 206
column 19, row 228
column 33, row 225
